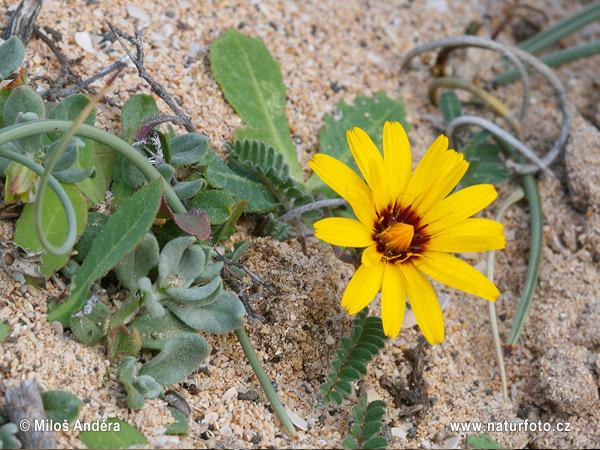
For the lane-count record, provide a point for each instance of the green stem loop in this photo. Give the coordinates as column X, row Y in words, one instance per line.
column 18, row 131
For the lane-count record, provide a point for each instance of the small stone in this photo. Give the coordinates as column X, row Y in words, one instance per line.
column 138, row 13
column 84, row 41
column 297, row 420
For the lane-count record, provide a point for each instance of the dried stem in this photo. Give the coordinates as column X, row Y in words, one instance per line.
column 138, row 61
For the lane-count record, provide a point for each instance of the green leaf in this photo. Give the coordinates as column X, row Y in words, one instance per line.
column 89, row 328
column 180, row 356
column 371, row 429
column 68, row 109
column 215, row 203
column 350, row 443
column 125, row 375
column 228, row 227
column 8, row 438
column 483, row 442
column 188, row 149
column 368, row 113
column 156, row 331
column 122, row 232
column 54, row 223
column 12, row 53
column 188, row 189
column 95, row 223
column 60, row 406
column 138, row 263
column 450, row 106
column 148, row 386
column 120, row 435
column 104, row 160
column 251, row 82
column 485, row 164
column 136, row 109
column 4, row 331
column 23, row 99
column 219, row 175
column 180, row 426
column 376, row 443
column 223, row 315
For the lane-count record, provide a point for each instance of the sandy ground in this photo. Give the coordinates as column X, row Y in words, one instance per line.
column 331, row 50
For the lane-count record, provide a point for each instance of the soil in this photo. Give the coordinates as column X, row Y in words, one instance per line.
column 328, row 51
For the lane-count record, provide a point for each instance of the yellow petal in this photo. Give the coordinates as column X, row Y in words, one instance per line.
column 428, row 170
column 363, row 286
column 424, row 304
column 469, row 235
column 381, row 193
column 458, row 274
column 370, row 255
column 362, row 205
column 344, row 232
column 397, row 158
column 459, row 206
column 364, row 151
column 393, row 300
column 456, row 167
column 337, row 175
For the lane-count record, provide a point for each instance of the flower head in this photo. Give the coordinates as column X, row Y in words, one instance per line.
column 408, row 225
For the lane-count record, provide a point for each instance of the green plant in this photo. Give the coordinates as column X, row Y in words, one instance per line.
column 367, row 424
column 365, row 340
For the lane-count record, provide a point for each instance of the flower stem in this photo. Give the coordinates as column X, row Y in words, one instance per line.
column 311, row 206
column 264, row 382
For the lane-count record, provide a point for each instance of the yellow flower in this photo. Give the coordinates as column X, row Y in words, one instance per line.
column 409, row 225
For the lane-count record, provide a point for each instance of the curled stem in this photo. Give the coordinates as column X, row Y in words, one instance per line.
column 491, row 100
column 512, row 199
column 475, row 41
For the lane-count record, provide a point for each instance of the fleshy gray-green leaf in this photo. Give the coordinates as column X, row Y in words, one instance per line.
column 138, row 262
column 188, row 149
column 89, row 328
column 188, row 189
column 12, row 53
column 23, row 99
column 180, row 426
column 134, row 110
column 156, row 331
column 482, row 442
column 369, row 114
column 74, row 175
column 147, row 386
column 198, row 295
column 223, row 315
column 121, row 233
column 180, row 356
column 29, row 144
column 180, row 257
column 60, row 406
column 126, row 437
column 251, row 82
column 68, row 109
column 67, row 157
column 5, row 162
column 8, row 433
column 104, row 160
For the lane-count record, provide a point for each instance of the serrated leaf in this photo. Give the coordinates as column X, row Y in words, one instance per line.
column 180, row 426
column 12, row 53
column 450, row 106
column 219, row 175
column 376, row 443
column 138, row 262
column 61, row 406
column 126, row 436
column 54, row 224
column 483, row 442
column 350, row 443
column 121, row 233
column 251, row 82
column 156, row 331
column 369, row 114
column 223, row 315
column 179, row 357
column 89, row 328
column 485, row 164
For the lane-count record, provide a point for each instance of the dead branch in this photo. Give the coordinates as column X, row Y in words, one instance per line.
column 22, row 20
